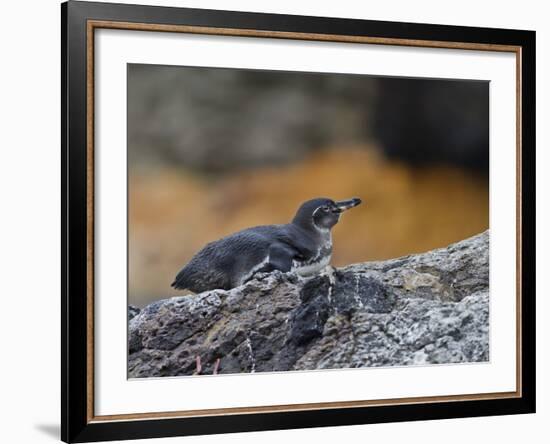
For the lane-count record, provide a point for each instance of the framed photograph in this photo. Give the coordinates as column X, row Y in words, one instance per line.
column 275, row 221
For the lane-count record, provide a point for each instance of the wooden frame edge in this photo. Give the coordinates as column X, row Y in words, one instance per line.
column 285, row 408
column 90, row 183
column 236, row 32
column 519, row 219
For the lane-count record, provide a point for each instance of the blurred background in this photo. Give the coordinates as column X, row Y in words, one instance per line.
column 212, row 151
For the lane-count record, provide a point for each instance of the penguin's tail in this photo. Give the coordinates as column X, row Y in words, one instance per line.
column 180, row 281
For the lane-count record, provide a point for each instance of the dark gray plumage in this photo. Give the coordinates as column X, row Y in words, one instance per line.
column 304, row 246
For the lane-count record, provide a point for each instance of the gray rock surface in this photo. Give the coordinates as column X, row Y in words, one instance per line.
column 422, row 309
column 133, row 311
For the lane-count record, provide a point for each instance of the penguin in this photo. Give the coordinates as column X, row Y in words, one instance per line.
column 303, row 246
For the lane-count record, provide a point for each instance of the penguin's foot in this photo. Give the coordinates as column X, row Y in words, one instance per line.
column 216, row 367
column 277, row 275
column 330, row 272
column 263, row 275
column 198, row 365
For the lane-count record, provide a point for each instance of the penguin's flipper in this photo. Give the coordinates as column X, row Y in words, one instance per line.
column 281, row 256
column 280, row 259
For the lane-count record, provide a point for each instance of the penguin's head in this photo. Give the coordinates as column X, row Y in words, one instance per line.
column 323, row 213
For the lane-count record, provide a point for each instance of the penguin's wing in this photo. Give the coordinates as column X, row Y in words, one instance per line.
column 281, row 256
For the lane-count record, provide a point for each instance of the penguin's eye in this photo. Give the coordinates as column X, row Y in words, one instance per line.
column 324, row 208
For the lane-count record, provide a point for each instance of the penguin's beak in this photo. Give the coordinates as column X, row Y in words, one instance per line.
column 344, row 205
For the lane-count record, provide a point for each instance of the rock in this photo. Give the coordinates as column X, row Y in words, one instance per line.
column 428, row 308
column 132, row 311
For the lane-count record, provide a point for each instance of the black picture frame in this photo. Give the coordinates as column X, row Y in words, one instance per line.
column 76, row 423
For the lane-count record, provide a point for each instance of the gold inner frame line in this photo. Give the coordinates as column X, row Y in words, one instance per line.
column 97, row 24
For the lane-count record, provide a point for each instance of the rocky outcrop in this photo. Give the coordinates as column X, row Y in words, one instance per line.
column 422, row 309
column 132, row 311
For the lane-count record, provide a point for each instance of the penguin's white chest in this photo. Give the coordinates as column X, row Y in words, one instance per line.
column 310, row 268
column 318, row 262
